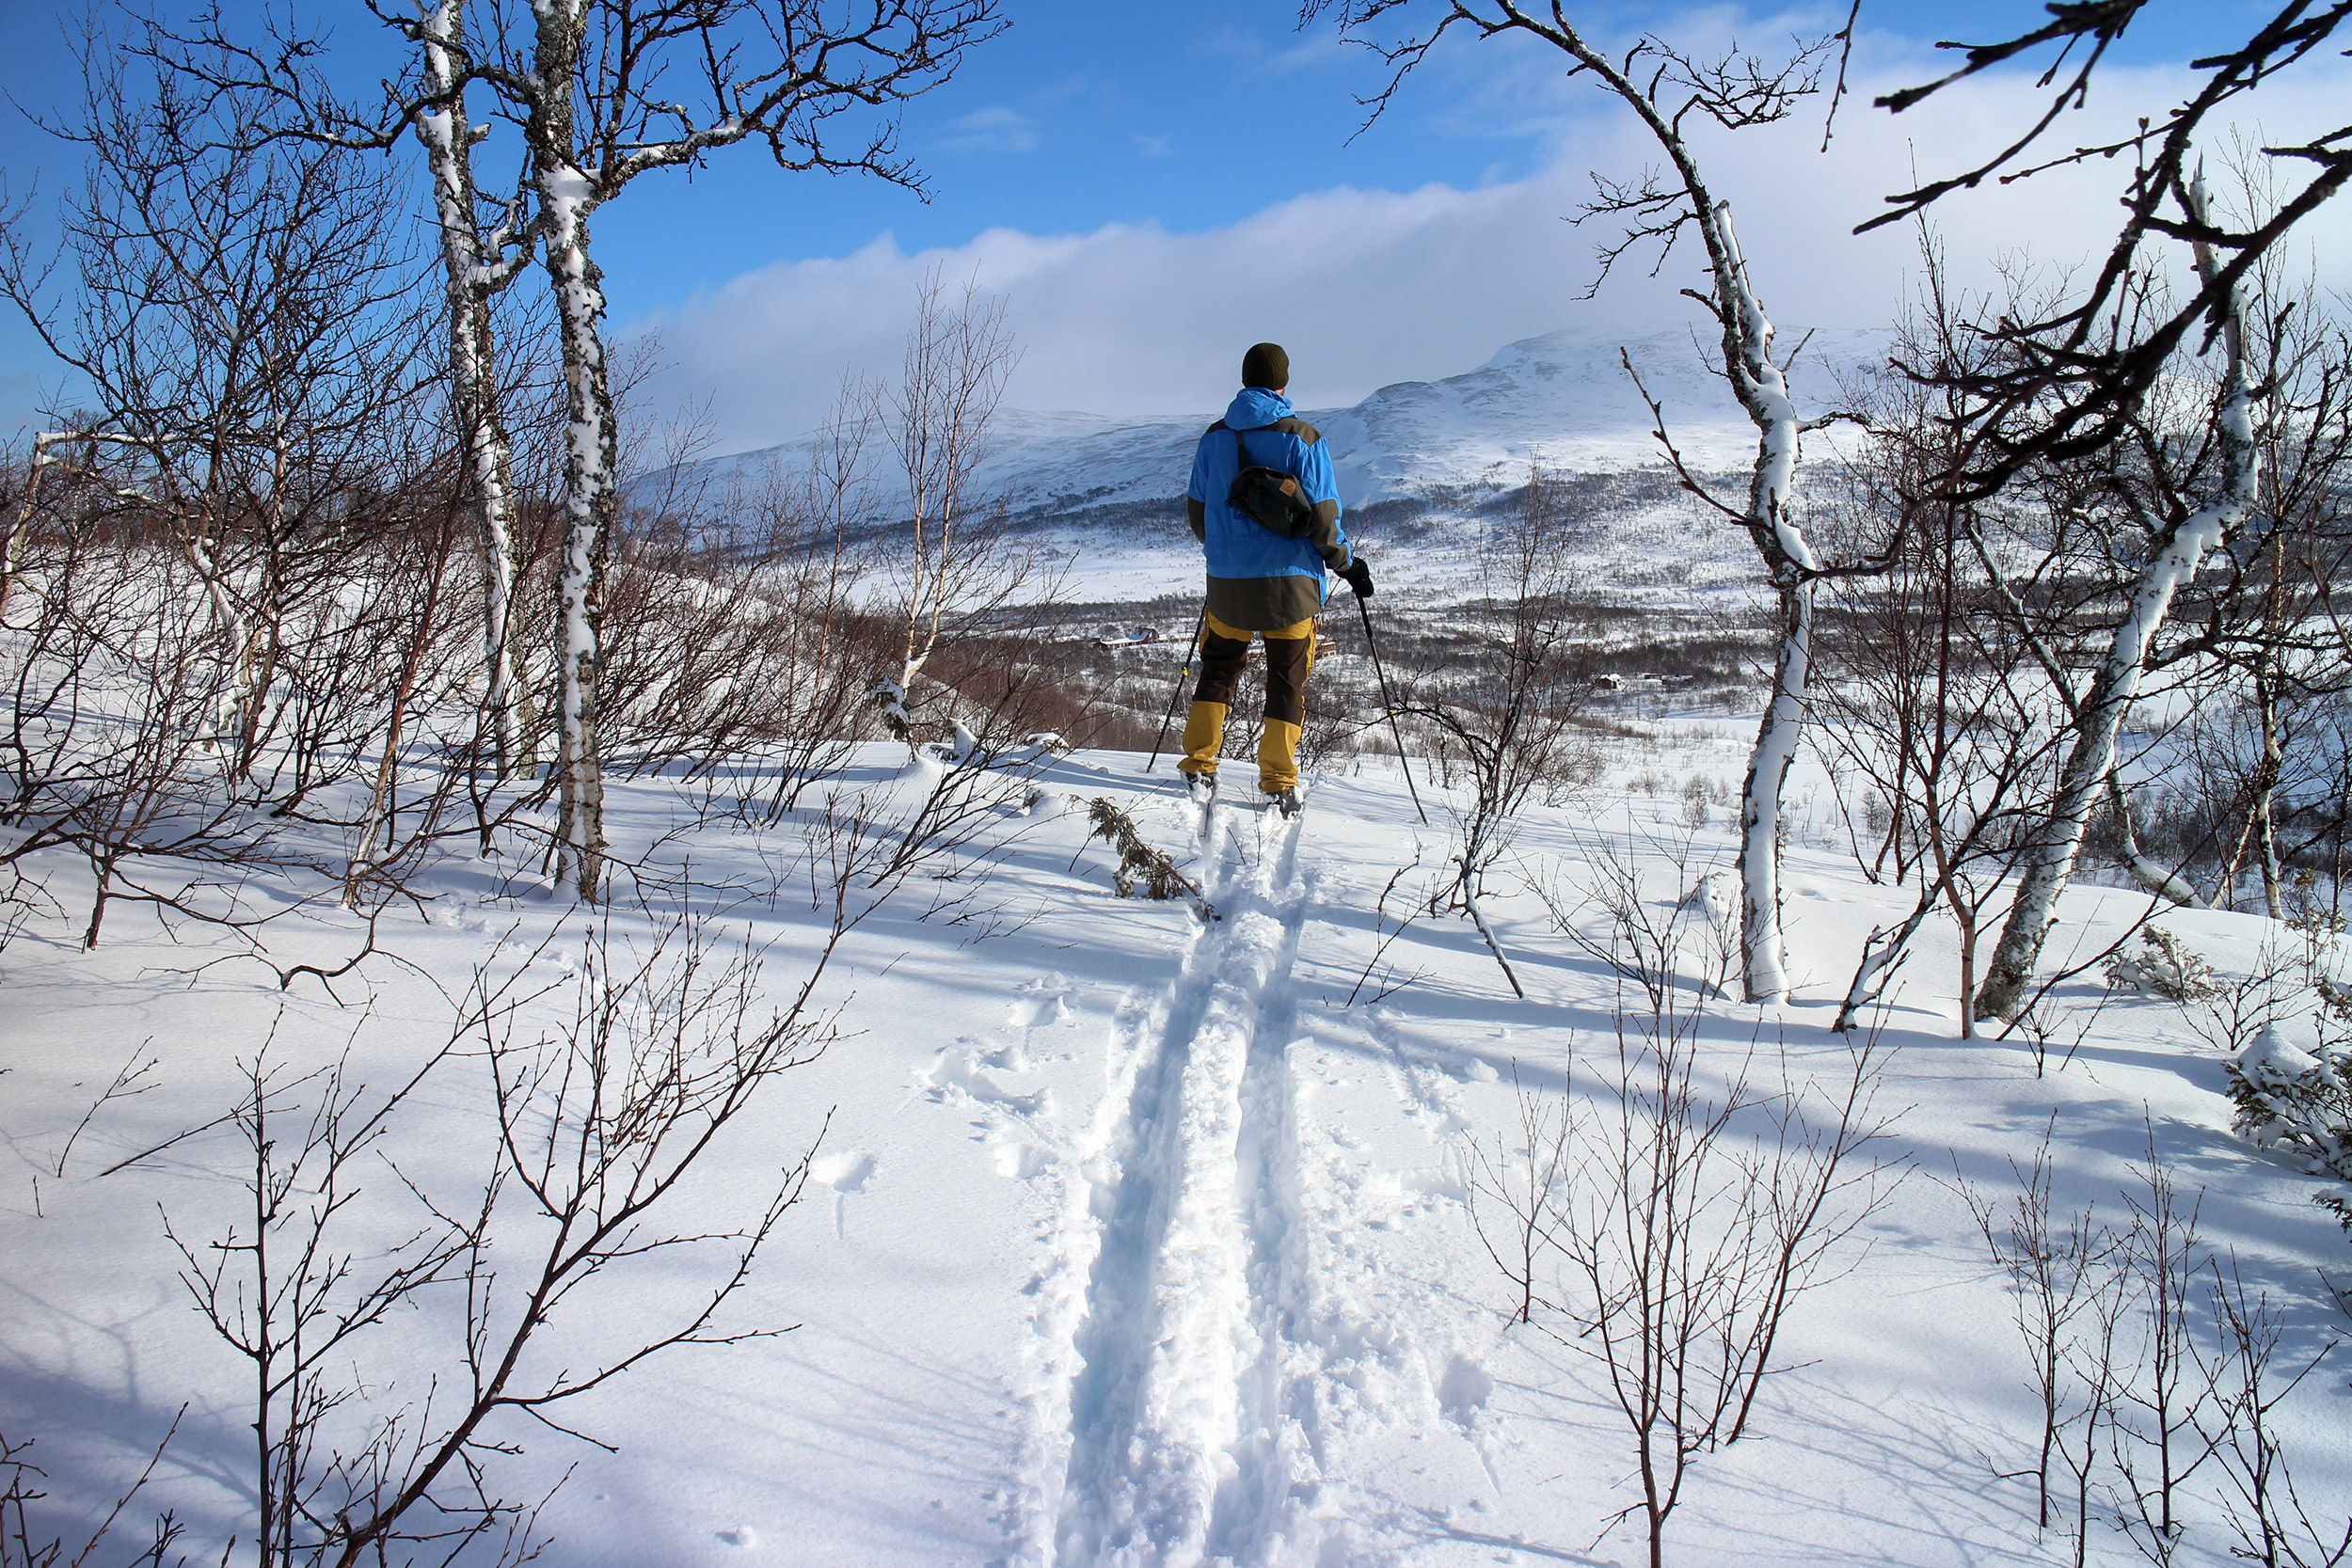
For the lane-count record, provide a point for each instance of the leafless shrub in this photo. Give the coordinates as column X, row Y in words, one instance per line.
column 2054, row 1033
column 130, row 1080
column 731, row 630
column 246, row 315
column 2294, row 978
column 1688, row 1211
column 1507, row 701
column 2053, row 1265
column 962, row 790
column 1383, row 938
column 2160, row 1394
column 2152, row 1362
column 1695, row 1221
column 22, row 1546
column 598, row 1118
column 1646, row 941
column 2266, row 1510
column 1521, row 1174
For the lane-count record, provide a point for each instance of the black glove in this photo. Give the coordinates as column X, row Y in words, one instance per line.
column 1358, row 576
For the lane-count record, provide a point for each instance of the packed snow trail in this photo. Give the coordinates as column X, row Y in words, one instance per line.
column 1178, row 1452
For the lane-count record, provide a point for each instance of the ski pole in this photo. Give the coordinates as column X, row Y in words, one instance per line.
column 1387, row 702
column 1169, row 716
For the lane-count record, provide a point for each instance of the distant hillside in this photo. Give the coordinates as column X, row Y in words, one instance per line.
column 1562, row 399
column 1422, row 461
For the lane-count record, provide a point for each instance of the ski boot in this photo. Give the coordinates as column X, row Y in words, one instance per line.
column 1284, row 800
column 1201, row 789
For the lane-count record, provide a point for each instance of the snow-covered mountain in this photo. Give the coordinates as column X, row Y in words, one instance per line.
column 1565, row 400
column 1562, row 399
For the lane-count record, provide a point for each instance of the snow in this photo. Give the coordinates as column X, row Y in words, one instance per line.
column 1129, row 1240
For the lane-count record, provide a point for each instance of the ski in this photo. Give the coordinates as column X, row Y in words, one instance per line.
column 1201, row 788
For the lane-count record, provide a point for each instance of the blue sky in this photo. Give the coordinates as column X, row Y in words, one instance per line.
column 1113, row 128
column 1189, row 116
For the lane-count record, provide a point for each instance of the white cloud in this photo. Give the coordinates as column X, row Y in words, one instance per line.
column 1366, row 287
column 994, row 129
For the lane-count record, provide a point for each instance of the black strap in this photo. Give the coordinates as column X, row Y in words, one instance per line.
column 1240, row 447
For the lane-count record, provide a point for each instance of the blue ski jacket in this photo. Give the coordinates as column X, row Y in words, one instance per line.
column 1243, row 555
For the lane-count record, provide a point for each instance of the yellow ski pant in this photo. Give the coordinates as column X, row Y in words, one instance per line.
column 1290, row 654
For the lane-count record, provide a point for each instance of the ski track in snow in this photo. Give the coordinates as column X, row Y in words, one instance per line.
column 1172, row 1447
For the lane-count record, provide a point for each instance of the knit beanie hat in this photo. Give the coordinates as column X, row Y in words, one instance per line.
column 1266, row 365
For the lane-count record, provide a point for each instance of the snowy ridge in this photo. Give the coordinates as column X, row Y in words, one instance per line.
column 1561, row 398
column 1564, row 400
column 1178, row 1451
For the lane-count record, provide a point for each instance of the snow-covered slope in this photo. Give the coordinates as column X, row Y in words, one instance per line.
column 1565, row 400
column 1562, row 399
column 1135, row 1240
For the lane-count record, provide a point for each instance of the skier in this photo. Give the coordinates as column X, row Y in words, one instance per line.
column 1259, row 582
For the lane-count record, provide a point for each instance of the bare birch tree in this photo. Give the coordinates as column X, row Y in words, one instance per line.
column 2076, row 374
column 597, row 90
column 1665, row 89
column 1939, row 706
column 272, row 73
column 2177, row 545
column 244, row 320
column 214, row 537
column 604, row 91
column 475, row 268
column 956, row 563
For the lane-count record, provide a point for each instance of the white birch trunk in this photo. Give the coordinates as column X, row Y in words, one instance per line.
column 2179, row 550
column 1478, row 918
column 565, row 197
column 588, row 509
column 468, row 282
column 1764, row 961
column 1884, row 952
column 1763, row 391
